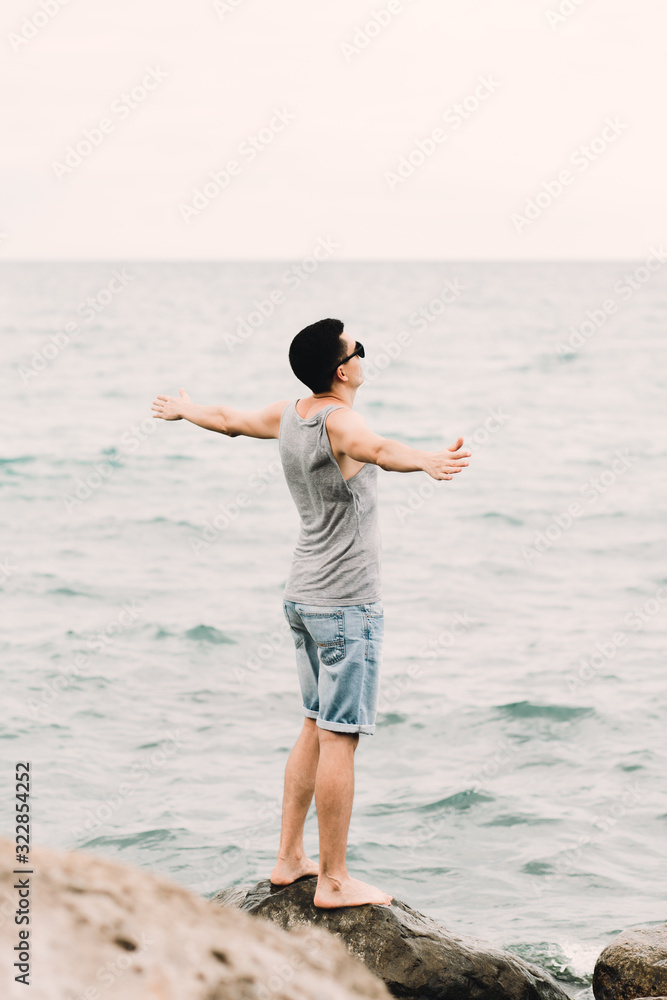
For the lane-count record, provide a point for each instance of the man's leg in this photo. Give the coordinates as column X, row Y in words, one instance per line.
column 334, row 791
column 300, row 773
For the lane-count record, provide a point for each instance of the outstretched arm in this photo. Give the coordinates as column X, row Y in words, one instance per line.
column 263, row 423
column 350, row 435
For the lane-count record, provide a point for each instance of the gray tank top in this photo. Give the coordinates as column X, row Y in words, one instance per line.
column 337, row 555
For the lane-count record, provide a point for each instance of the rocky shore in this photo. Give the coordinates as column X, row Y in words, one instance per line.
column 414, row 955
column 100, row 930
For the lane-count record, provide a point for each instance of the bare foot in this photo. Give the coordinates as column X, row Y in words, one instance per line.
column 287, row 872
column 348, row 892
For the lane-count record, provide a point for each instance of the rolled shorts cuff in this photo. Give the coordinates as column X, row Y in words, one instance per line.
column 345, row 727
column 308, row 712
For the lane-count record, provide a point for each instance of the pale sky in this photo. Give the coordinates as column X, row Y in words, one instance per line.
column 341, row 94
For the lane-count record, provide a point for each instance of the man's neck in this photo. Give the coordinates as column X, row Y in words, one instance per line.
column 342, row 394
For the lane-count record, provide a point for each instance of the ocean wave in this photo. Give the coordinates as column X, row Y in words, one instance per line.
column 530, row 710
column 207, row 633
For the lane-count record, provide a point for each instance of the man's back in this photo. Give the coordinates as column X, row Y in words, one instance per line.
column 337, row 556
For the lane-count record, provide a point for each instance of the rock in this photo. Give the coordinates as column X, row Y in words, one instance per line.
column 633, row 965
column 103, row 931
column 415, row 955
column 233, row 896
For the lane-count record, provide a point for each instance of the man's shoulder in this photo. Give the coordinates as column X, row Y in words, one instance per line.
column 344, row 422
column 272, row 415
column 344, row 416
column 276, row 410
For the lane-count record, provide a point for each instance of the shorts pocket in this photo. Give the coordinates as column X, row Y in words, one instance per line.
column 327, row 629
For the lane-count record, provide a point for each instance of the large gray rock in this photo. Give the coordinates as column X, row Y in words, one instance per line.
column 103, row 931
column 633, row 965
column 415, row 955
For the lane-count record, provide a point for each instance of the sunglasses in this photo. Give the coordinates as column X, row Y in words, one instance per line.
column 359, row 349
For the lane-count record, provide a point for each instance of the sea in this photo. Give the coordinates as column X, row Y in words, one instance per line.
column 515, row 787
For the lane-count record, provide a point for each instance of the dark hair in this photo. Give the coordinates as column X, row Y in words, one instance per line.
column 315, row 353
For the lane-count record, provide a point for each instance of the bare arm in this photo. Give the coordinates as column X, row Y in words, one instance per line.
column 350, row 435
column 263, row 423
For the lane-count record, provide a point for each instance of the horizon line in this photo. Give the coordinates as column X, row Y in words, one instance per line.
column 290, row 260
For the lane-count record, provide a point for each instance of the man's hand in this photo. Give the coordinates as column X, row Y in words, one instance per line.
column 444, row 464
column 170, row 407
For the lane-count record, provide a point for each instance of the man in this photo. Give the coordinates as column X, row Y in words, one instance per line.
column 332, row 598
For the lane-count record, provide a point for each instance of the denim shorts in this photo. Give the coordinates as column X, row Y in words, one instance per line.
column 338, row 657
